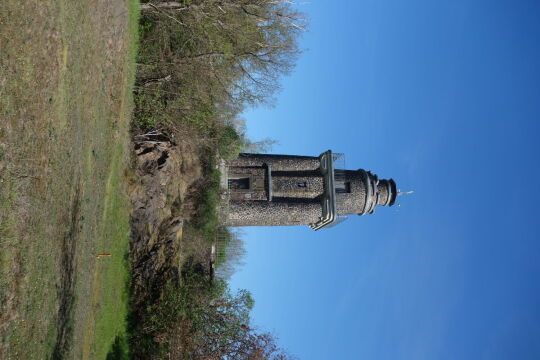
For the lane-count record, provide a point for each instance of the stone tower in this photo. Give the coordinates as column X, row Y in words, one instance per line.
column 269, row 190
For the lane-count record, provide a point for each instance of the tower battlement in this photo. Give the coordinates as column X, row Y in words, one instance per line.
column 274, row 190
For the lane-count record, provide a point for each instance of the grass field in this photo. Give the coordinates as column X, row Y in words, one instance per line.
column 66, row 72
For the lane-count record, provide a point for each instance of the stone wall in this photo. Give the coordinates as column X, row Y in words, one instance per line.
column 278, row 162
column 353, row 202
column 297, row 184
column 274, row 213
column 257, row 183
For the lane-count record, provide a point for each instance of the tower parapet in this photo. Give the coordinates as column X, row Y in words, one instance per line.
column 273, row 190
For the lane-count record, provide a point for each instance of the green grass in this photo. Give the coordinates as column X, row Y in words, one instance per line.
column 207, row 221
column 110, row 292
column 110, row 335
column 66, row 76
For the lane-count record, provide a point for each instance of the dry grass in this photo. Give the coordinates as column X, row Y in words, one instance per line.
column 65, row 75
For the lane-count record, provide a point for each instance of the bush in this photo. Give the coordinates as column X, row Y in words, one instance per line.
column 229, row 143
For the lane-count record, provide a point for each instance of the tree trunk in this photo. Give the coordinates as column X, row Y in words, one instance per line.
column 169, row 5
column 148, row 82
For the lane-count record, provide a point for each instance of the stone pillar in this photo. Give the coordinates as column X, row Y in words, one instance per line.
column 273, row 213
column 278, row 162
column 353, row 202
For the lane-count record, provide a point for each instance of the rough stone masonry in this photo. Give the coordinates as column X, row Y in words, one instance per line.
column 266, row 190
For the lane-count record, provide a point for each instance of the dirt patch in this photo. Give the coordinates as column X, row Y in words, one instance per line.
column 167, row 173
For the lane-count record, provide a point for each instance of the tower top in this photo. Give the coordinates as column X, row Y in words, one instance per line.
column 348, row 192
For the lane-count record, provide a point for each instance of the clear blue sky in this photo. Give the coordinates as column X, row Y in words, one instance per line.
column 443, row 96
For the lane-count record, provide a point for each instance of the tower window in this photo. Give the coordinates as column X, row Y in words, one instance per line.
column 302, row 185
column 239, row 184
column 343, row 188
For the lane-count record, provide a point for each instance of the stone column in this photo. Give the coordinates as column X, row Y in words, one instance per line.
column 273, row 213
column 278, row 162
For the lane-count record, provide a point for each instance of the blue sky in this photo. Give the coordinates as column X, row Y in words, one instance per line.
column 444, row 97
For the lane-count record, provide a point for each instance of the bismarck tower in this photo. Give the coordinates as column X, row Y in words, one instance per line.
column 267, row 190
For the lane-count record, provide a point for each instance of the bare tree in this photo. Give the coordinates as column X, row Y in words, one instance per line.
column 229, row 53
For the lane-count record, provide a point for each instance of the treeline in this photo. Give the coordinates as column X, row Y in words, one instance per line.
column 202, row 319
column 200, row 64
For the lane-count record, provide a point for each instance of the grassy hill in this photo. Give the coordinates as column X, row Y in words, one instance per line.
column 66, row 75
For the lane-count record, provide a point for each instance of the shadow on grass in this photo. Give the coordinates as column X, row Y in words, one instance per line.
column 66, row 289
column 119, row 349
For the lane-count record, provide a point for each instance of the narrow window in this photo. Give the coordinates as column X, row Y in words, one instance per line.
column 343, row 188
column 239, row 184
column 302, row 185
